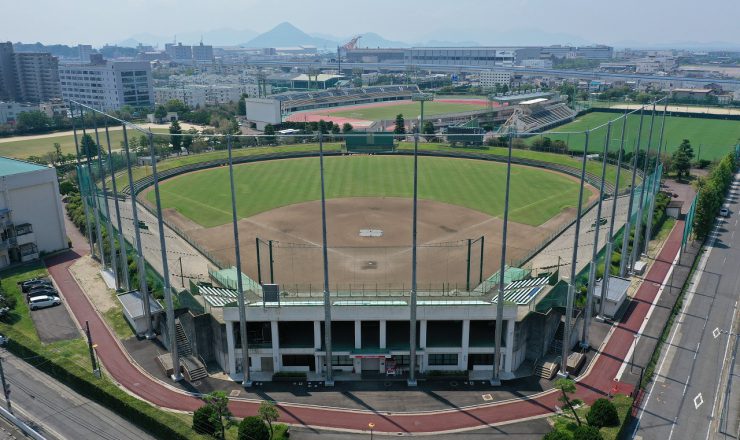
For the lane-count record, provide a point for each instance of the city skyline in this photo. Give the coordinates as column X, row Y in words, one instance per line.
column 520, row 22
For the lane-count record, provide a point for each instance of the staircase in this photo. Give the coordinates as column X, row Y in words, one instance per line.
column 193, row 368
column 556, row 346
column 547, row 367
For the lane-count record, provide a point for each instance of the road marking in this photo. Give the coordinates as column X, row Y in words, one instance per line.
column 716, row 332
column 697, row 349
column 721, row 372
column 673, row 426
column 698, row 401
column 686, row 385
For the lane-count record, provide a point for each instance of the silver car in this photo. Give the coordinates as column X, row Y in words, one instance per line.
column 43, row 301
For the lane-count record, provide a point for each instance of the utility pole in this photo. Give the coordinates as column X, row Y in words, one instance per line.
column 91, row 347
column 6, row 387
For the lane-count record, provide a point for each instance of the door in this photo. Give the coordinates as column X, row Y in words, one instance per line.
column 266, row 363
column 371, row 364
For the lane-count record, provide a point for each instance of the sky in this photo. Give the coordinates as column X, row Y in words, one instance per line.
column 619, row 23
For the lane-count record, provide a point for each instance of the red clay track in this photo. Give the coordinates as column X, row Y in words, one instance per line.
column 597, row 383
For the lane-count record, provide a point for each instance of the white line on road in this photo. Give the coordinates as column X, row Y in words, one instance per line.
column 721, row 372
column 697, row 349
column 686, row 385
column 698, row 401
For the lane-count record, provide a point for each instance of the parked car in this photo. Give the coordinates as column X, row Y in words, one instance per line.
column 3, row 341
column 29, row 284
column 41, row 292
column 43, row 301
column 724, row 212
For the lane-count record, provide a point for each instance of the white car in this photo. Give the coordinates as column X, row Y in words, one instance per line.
column 43, row 301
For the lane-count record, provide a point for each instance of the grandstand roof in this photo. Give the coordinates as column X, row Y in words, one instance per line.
column 533, row 101
column 521, row 97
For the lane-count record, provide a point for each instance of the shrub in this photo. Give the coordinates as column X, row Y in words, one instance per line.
column 252, row 428
column 556, row 435
column 602, row 413
column 585, row 432
column 203, row 421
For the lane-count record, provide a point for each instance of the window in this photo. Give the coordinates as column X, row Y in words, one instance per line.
column 481, row 358
column 402, row 360
column 341, row 361
column 298, row 360
column 443, row 359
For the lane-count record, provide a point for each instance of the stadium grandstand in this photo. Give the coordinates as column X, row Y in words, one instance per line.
column 537, row 112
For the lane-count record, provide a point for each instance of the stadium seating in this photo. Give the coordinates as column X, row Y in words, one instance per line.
column 297, row 101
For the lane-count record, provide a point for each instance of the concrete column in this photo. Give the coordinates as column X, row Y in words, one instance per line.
column 276, row 361
column 383, row 337
column 358, row 334
column 462, row 361
column 423, row 333
column 317, row 335
column 230, row 347
column 509, row 345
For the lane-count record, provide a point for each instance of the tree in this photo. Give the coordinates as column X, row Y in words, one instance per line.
column 203, row 421
column 428, row 127
column 241, row 108
column 187, row 141
column 602, row 413
column 334, row 128
column 175, row 138
column 347, row 127
column 585, row 432
column 268, row 413
column 681, row 163
column 322, row 127
column 567, row 386
column 221, row 416
column 400, row 125
column 33, row 121
column 270, row 133
column 253, row 428
column 88, row 146
column 177, row 106
column 160, row 113
column 58, row 156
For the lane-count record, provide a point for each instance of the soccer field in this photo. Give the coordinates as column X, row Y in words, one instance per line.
column 204, row 197
column 717, row 137
column 408, row 110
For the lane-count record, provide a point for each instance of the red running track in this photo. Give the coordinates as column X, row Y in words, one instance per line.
column 597, row 383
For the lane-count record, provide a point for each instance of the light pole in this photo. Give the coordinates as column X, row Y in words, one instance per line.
column 421, row 97
column 329, row 382
column 371, row 425
column 624, row 263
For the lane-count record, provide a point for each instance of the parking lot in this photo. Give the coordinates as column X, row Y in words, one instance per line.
column 54, row 323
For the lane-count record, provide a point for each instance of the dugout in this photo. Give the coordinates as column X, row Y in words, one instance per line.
column 467, row 134
column 370, row 143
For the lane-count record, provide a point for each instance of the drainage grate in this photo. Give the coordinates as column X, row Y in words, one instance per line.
column 487, row 397
column 234, row 393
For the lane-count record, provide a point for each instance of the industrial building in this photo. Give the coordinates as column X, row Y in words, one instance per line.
column 31, row 216
column 108, row 85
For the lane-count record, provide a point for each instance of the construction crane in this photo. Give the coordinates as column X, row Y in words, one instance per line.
column 352, row 44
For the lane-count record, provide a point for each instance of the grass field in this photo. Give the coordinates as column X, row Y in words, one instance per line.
column 22, row 149
column 408, row 110
column 716, row 137
column 204, row 197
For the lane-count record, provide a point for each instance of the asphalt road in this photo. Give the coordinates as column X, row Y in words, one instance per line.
column 56, row 411
column 688, row 394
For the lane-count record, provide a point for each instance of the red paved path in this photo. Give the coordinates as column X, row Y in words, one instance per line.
column 596, row 384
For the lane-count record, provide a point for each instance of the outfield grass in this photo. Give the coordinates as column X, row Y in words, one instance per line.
column 204, row 197
column 24, row 148
column 717, row 137
column 409, row 111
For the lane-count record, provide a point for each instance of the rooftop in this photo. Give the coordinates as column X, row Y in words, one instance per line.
column 10, row 166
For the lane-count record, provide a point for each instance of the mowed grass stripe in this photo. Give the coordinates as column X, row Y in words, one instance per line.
column 204, row 197
column 717, row 136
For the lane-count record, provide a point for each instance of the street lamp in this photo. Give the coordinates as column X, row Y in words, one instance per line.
column 371, row 425
column 422, row 98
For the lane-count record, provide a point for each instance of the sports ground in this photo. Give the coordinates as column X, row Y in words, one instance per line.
column 717, row 137
column 461, row 199
column 365, row 114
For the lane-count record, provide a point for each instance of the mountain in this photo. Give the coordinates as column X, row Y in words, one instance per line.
column 285, row 34
column 214, row 37
column 371, row 39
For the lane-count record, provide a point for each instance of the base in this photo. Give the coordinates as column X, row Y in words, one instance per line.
column 411, row 382
column 599, row 318
column 495, row 382
column 585, row 345
column 329, row 383
column 150, row 335
column 176, row 377
column 247, row 383
column 563, row 374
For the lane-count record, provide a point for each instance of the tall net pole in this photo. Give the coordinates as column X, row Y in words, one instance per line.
column 656, row 179
column 140, row 263
column 412, row 315
column 573, row 262
column 121, row 238
column 85, row 208
column 176, row 376
column 92, row 194
column 246, row 381
column 496, row 378
column 638, row 223
column 610, row 235
column 595, row 249
column 104, row 198
column 624, row 263
column 325, row 255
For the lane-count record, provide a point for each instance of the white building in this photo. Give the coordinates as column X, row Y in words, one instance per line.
column 108, row 85
column 537, row 63
column 10, row 110
column 191, row 96
column 84, row 50
column 31, row 216
column 491, row 78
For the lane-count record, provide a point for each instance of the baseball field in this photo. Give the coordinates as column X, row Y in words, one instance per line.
column 716, row 137
column 460, row 199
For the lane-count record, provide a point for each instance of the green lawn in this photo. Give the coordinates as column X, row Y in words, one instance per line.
column 22, row 149
column 409, row 111
column 566, row 423
column 717, row 137
column 204, row 197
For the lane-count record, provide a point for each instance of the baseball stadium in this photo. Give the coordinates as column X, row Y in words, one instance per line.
column 338, row 240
